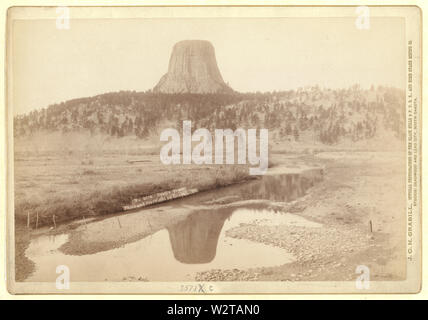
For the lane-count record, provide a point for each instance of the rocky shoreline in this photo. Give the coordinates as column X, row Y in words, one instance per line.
column 345, row 240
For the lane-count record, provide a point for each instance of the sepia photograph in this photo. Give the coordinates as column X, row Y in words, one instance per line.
column 214, row 150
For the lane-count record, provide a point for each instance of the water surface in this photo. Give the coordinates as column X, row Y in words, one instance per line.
column 178, row 249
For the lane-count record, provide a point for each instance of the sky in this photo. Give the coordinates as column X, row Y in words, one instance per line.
column 95, row 56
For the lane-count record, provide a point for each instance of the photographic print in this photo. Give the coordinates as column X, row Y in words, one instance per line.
column 214, row 150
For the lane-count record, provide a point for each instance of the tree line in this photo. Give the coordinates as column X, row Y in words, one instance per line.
column 322, row 114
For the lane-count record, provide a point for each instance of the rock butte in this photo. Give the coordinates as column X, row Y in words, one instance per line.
column 192, row 69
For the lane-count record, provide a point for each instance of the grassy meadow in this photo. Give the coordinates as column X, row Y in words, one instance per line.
column 76, row 175
column 72, row 184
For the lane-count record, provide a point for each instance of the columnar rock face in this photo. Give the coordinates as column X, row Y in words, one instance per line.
column 192, row 69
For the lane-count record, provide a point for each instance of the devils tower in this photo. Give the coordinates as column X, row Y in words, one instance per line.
column 192, row 69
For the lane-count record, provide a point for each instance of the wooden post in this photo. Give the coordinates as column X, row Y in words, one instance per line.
column 28, row 219
column 37, row 220
column 371, row 226
column 119, row 223
column 53, row 218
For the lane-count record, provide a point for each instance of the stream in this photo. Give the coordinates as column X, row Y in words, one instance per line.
column 175, row 240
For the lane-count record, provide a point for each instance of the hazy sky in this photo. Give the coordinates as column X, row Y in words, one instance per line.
column 98, row 56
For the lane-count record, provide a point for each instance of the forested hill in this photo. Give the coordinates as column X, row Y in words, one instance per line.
column 323, row 114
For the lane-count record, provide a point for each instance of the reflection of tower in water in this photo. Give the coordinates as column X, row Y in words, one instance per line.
column 195, row 239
